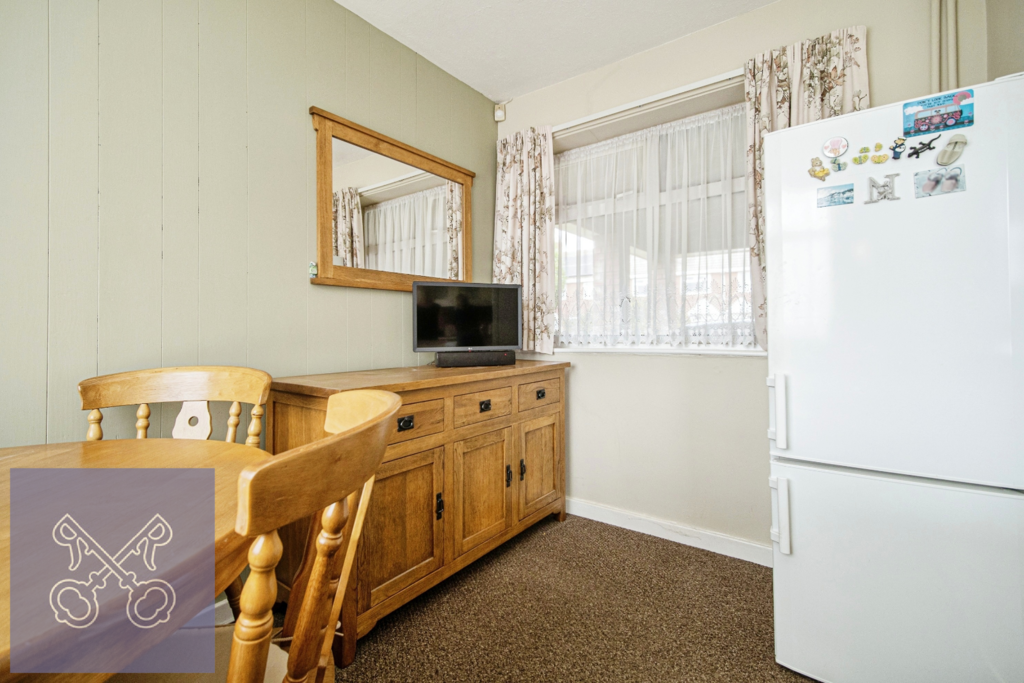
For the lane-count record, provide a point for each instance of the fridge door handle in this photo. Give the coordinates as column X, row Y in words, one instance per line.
column 780, row 534
column 779, row 431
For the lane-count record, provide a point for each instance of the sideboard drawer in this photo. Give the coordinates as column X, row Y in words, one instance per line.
column 482, row 405
column 537, row 394
column 417, row 419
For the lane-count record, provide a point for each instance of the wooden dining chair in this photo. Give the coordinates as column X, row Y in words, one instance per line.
column 333, row 476
column 194, row 387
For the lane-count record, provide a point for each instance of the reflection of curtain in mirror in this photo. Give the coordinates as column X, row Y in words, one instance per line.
column 348, row 229
column 408, row 234
column 453, row 228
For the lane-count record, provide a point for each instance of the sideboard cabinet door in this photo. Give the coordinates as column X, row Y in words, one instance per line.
column 537, row 470
column 482, row 481
column 402, row 537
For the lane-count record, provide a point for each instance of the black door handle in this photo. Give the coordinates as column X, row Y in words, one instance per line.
column 541, row 393
column 440, row 506
column 406, row 423
column 522, row 470
column 485, row 406
column 508, row 476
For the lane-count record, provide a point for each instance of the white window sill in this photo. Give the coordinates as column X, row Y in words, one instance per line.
column 661, row 351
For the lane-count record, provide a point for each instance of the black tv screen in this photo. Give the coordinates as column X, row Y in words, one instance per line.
column 466, row 317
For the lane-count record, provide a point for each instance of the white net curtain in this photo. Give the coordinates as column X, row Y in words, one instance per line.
column 407, row 235
column 651, row 238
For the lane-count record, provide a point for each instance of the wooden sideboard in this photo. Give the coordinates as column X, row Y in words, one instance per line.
column 475, row 456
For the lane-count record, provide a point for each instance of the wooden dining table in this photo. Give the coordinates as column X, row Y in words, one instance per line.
column 226, row 459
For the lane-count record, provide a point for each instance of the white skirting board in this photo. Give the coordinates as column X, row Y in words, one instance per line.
column 698, row 538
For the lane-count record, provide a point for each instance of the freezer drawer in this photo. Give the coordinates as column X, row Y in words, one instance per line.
column 896, row 579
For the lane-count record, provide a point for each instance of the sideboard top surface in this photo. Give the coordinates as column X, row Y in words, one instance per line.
column 406, row 379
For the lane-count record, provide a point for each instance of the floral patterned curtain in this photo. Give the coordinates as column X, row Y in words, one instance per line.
column 804, row 82
column 348, row 229
column 524, row 230
column 453, row 227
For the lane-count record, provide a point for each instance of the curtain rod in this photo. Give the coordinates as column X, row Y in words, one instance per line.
column 555, row 130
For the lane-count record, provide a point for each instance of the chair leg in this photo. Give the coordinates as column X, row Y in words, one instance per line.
column 256, row 621
column 344, row 648
column 234, row 593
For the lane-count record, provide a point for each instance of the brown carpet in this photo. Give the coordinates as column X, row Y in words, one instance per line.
column 582, row 601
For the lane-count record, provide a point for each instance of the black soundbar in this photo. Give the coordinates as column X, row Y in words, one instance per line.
column 465, row 359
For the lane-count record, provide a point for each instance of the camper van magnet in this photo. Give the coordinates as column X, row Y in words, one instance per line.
column 939, row 113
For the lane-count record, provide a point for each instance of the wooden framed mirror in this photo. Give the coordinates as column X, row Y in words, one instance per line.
column 387, row 213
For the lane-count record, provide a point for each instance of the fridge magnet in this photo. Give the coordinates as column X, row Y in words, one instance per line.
column 917, row 150
column 879, row 158
column 838, row 166
column 939, row 181
column 862, row 156
column 885, row 190
column 817, row 169
column 837, row 195
column 898, row 147
column 942, row 112
column 835, row 147
column 952, row 151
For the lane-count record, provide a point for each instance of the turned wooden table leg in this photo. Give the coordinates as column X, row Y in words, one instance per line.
column 256, row 620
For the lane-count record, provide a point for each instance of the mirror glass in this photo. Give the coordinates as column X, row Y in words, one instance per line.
column 394, row 217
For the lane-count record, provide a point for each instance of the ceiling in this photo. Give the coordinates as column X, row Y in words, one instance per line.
column 506, row 48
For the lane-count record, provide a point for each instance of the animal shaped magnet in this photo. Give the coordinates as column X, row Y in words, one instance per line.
column 835, row 147
column 917, row 150
column 879, row 158
column 838, row 166
column 818, row 170
column 862, row 157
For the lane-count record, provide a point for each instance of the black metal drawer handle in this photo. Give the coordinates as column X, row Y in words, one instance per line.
column 541, row 393
column 406, row 423
column 485, row 406
column 508, row 476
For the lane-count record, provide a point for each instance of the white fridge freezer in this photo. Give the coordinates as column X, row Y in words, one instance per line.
column 894, row 579
column 896, row 397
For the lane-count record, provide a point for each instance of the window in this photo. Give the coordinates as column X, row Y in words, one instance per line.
column 650, row 238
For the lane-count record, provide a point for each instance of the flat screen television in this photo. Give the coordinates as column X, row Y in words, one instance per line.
column 465, row 316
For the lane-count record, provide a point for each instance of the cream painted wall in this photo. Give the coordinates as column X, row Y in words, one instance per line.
column 898, row 56
column 157, row 201
column 679, row 438
column 682, row 438
column 1005, row 43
